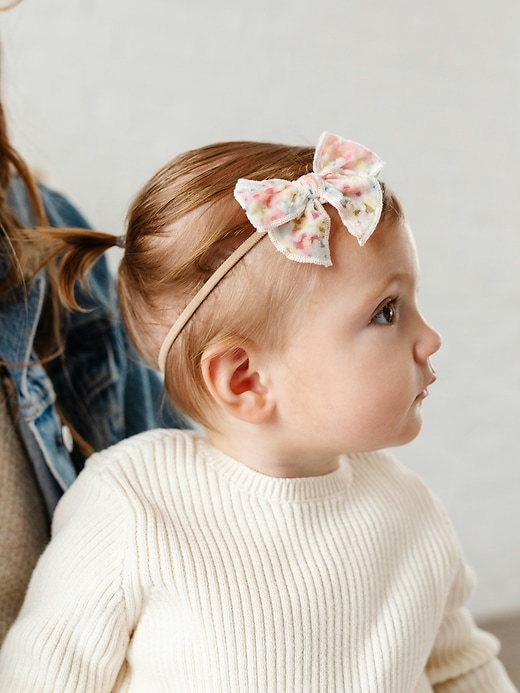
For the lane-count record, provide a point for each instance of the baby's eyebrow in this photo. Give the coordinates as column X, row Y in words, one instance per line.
column 393, row 278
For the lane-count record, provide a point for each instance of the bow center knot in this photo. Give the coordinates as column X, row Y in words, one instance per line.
column 313, row 185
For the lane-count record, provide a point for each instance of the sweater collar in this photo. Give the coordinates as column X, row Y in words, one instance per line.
column 289, row 490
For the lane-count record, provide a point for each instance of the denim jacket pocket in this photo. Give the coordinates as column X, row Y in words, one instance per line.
column 89, row 379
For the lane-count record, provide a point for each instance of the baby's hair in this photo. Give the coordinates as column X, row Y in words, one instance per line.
column 182, row 225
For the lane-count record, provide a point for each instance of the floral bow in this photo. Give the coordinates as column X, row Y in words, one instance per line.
column 292, row 213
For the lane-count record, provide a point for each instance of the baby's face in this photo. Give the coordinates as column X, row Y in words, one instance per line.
column 355, row 372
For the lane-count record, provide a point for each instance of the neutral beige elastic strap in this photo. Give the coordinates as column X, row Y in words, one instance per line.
column 203, row 293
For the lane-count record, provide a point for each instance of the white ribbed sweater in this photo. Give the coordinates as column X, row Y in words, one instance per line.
column 174, row 568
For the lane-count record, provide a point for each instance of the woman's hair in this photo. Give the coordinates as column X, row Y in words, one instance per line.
column 19, row 251
column 180, row 228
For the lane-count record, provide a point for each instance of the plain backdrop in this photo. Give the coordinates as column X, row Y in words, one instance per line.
column 101, row 94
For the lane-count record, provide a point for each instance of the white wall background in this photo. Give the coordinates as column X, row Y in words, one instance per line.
column 100, row 94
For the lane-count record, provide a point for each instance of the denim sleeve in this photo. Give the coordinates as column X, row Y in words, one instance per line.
column 159, row 412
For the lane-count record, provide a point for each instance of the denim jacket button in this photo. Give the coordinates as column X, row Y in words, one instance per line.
column 67, row 439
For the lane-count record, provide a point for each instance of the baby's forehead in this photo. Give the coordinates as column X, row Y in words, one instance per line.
column 389, row 251
column 386, row 233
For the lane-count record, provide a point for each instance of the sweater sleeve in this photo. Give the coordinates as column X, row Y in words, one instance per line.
column 73, row 631
column 464, row 658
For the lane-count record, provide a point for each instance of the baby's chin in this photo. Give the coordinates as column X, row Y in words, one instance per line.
column 407, row 436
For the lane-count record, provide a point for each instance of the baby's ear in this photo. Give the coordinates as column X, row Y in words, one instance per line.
column 236, row 383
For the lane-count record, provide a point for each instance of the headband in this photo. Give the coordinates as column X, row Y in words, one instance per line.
column 291, row 213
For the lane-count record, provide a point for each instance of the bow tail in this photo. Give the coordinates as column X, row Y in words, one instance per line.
column 359, row 202
column 305, row 239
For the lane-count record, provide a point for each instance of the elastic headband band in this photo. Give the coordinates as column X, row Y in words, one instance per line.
column 203, row 293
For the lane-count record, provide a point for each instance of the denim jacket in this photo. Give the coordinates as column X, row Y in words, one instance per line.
column 99, row 383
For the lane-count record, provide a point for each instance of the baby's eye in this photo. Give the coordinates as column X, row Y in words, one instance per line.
column 387, row 314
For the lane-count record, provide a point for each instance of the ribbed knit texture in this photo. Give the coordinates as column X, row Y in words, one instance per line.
column 175, row 568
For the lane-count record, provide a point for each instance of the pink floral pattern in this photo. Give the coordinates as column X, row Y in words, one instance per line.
column 292, row 212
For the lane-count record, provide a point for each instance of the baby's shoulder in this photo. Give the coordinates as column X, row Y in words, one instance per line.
column 143, row 476
column 145, row 461
column 158, row 441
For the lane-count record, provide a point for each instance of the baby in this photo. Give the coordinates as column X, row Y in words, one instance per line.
column 279, row 548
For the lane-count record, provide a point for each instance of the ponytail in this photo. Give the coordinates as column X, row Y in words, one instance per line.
column 74, row 251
